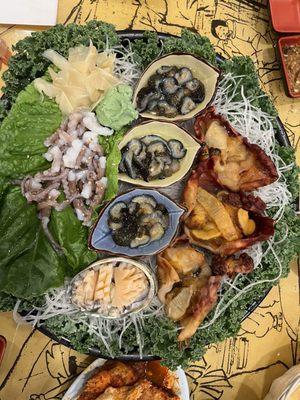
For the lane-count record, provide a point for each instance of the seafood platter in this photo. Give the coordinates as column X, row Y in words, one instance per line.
column 146, row 201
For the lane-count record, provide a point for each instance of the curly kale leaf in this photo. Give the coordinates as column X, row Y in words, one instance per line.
column 190, row 42
column 150, row 47
column 287, row 153
column 146, row 49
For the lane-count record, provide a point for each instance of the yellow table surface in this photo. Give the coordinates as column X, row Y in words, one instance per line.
column 35, row 367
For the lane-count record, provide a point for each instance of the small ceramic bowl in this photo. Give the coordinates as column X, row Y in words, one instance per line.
column 101, row 239
column 201, row 69
column 166, row 131
column 285, row 15
column 282, row 42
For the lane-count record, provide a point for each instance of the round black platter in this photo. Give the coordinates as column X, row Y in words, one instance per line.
column 282, row 138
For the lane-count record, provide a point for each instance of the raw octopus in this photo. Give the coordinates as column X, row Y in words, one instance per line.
column 77, row 170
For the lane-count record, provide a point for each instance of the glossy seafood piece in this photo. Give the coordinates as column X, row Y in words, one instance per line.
column 113, row 287
column 77, row 170
column 176, row 87
column 185, row 280
column 160, row 220
column 204, row 301
column 171, row 91
column 221, row 221
column 138, row 222
column 187, row 285
column 160, row 145
column 236, row 164
column 230, row 266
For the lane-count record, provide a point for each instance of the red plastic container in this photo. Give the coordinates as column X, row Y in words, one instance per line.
column 287, row 41
column 285, row 15
column 2, row 347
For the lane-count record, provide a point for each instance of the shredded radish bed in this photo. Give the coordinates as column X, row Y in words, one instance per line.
column 257, row 127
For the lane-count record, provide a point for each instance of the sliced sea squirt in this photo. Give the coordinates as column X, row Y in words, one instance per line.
column 237, row 163
column 188, row 285
column 138, row 222
column 113, row 287
column 221, row 221
column 156, row 154
column 176, row 87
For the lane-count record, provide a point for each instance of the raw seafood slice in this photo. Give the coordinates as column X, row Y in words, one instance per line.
column 230, row 266
column 176, row 87
column 103, row 284
column 113, row 287
column 152, row 157
column 183, row 258
column 235, row 163
column 84, row 292
column 167, row 277
column 130, row 286
column 222, row 212
column 188, row 286
column 203, row 302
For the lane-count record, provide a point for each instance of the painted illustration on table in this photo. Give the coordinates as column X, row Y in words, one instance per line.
column 53, row 364
column 235, row 368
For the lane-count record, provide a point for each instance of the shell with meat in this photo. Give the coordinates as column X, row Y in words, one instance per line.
column 188, row 286
column 221, row 221
column 236, row 164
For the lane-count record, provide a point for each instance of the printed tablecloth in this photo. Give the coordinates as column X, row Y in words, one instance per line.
column 35, row 367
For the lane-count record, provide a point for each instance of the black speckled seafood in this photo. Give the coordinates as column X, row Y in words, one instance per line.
column 176, row 87
column 156, row 154
column 137, row 223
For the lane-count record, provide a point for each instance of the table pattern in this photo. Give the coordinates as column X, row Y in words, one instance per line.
column 242, row 368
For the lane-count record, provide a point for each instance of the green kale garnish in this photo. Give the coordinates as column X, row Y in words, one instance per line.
column 287, row 153
column 150, row 47
column 193, row 43
column 147, row 49
column 160, row 334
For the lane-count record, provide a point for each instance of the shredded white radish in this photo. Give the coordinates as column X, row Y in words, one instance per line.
column 257, row 127
column 57, row 302
column 221, row 307
column 125, row 68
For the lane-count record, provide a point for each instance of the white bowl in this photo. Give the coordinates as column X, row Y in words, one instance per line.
column 74, row 390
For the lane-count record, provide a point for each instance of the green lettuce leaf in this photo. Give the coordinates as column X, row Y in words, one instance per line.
column 113, row 154
column 31, row 120
column 28, row 264
column 73, row 239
